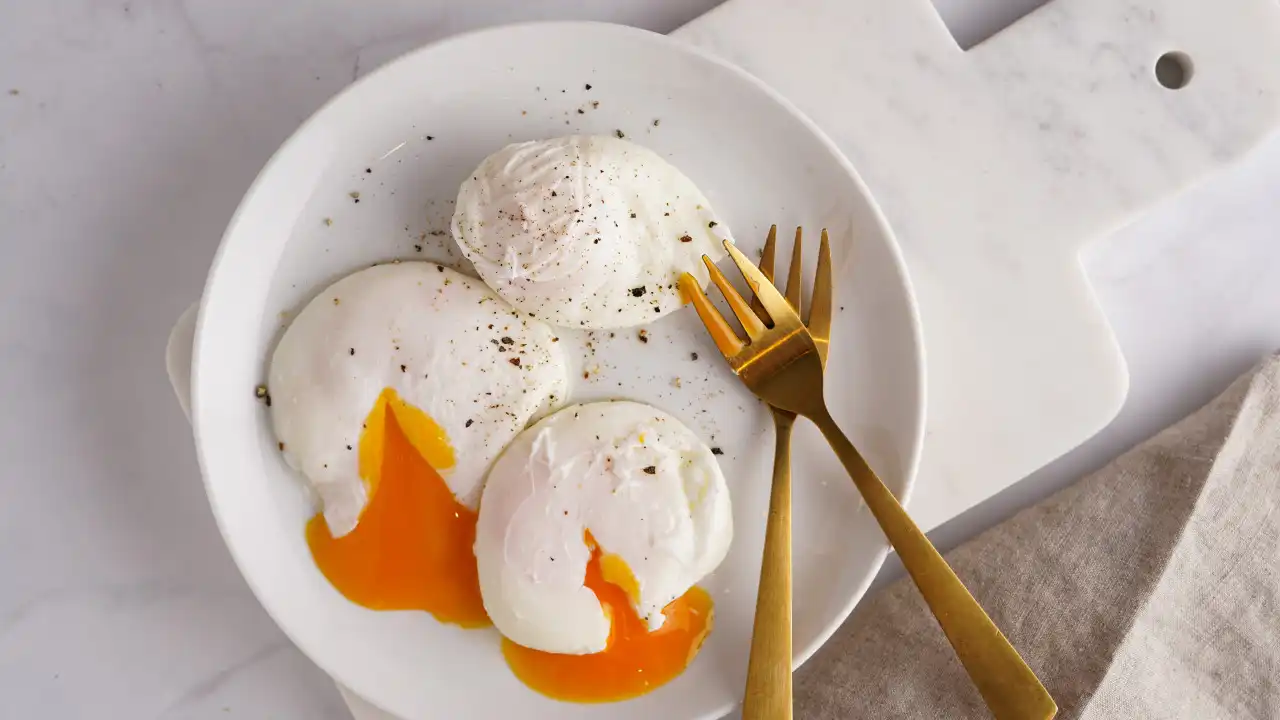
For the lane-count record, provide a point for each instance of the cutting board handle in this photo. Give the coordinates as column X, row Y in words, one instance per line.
column 177, row 357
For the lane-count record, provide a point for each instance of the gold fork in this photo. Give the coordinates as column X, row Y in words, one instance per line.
column 780, row 363
column 768, row 694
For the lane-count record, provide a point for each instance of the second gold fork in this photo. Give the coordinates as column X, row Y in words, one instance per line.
column 768, row 693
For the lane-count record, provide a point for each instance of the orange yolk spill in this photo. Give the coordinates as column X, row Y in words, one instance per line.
column 634, row 661
column 412, row 549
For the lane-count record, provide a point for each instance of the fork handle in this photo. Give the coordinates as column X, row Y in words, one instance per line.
column 768, row 695
column 1008, row 686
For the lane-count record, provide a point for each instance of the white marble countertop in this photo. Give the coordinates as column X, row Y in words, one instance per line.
column 128, row 132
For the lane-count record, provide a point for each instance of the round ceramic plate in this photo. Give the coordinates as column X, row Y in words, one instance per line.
column 402, row 139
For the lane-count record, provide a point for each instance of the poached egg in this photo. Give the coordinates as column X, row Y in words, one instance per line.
column 586, row 231
column 392, row 393
column 595, row 525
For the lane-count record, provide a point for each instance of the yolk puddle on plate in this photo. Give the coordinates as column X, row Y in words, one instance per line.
column 635, row 660
column 412, row 549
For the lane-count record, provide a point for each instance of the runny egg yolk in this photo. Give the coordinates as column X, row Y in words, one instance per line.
column 412, row 549
column 634, row 661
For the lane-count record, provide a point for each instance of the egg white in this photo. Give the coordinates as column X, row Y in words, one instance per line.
column 646, row 487
column 442, row 341
column 586, row 231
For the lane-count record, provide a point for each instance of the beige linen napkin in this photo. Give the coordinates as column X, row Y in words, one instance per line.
column 1150, row 589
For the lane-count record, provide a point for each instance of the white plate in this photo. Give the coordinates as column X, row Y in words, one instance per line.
column 403, row 138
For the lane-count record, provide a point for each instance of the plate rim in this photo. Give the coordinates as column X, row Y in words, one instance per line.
column 216, row 269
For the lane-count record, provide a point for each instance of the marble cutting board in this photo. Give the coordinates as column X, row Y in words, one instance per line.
column 995, row 166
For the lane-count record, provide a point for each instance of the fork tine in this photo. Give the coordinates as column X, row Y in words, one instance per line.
column 820, row 303
column 774, row 303
column 766, row 267
column 793, row 276
column 750, row 321
column 723, row 334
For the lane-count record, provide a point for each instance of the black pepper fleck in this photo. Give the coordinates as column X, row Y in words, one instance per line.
column 651, row 470
column 351, row 350
column 620, row 134
column 515, row 361
column 637, row 291
column 685, row 238
column 403, row 368
column 712, row 224
column 588, row 86
column 469, row 423
column 716, row 451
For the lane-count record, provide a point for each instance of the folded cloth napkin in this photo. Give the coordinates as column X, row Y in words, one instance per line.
column 1150, row 589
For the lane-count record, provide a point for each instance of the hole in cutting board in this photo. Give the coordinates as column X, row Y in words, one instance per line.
column 973, row 21
column 1174, row 70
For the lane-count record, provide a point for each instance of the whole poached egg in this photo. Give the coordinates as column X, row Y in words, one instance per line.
column 595, row 526
column 393, row 391
column 585, row 231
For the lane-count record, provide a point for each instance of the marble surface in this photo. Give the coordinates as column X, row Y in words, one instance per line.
column 129, row 130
